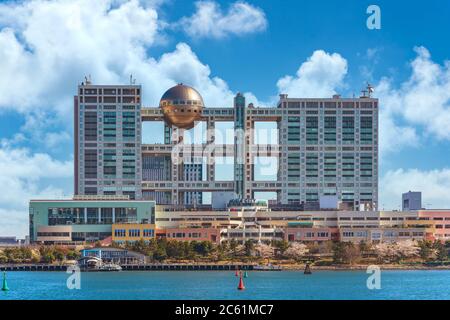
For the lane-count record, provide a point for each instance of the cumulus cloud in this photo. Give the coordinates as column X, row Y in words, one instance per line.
column 320, row 76
column 210, row 22
column 46, row 49
column 420, row 104
column 25, row 176
column 41, row 64
column 434, row 184
column 50, row 45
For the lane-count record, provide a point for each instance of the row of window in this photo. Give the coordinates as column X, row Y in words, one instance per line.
column 387, row 234
column 187, row 235
column 134, row 233
column 311, row 234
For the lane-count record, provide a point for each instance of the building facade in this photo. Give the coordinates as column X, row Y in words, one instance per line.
column 108, row 140
column 193, row 172
column 325, row 147
column 85, row 218
column 411, row 201
column 131, row 232
column 440, row 219
column 258, row 223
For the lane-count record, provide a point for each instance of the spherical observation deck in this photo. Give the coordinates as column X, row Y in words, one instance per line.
column 181, row 106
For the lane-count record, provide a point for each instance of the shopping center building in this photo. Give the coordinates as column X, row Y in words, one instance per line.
column 87, row 218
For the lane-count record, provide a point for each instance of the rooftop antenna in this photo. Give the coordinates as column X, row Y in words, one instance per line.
column 87, row 79
column 370, row 89
column 132, row 81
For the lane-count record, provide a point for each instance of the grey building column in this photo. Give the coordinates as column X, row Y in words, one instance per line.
column 85, row 215
column 239, row 146
column 99, row 215
column 113, row 215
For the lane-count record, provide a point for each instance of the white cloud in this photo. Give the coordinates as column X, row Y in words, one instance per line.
column 50, row 46
column 371, row 59
column 14, row 223
column 421, row 102
column 320, row 76
column 393, row 135
column 46, row 49
column 210, row 22
column 434, row 184
column 25, row 176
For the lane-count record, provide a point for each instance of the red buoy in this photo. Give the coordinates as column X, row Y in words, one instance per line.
column 241, row 284
column 236, row 273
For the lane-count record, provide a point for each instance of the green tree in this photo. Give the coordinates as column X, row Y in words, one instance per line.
column 338, row 252
column 345, row 253
column 364, row 247
column 249, row 248
column 139, row 246
column 160, row 254
column 441, row 251
column 280, row 246
column 3, row 258
column 73, row 255
column 48, row 257
column 425, row 249
column 233, row 245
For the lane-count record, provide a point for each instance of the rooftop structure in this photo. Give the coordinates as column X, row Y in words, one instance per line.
column 411, row 201
column 181, row 106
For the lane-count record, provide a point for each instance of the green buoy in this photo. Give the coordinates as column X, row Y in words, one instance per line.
column 5, row 284
column 245, row 274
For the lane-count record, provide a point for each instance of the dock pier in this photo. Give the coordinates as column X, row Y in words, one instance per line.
column 137, row 267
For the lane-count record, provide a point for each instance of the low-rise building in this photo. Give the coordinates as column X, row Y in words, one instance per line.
column 298, row 232
column 95, row 218
column 441, row 221
column 8, row 242
column 85, row 218
column 131, row 232
column 190, row 234
column 114, row 255
column 385, row 234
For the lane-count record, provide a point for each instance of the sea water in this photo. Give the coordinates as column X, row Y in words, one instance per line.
column 149, row 285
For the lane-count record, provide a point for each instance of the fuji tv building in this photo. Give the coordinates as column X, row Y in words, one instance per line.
column 326, row 151
column 325, row 186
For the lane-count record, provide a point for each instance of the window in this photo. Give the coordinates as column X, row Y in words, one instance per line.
column 134, row 233
column 120, row 233
column 347, row 234
column 148, row 233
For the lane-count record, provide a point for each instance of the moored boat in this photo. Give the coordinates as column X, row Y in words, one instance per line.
column 267, row 267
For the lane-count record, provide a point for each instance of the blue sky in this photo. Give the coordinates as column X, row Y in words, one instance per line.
column 258, row 47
